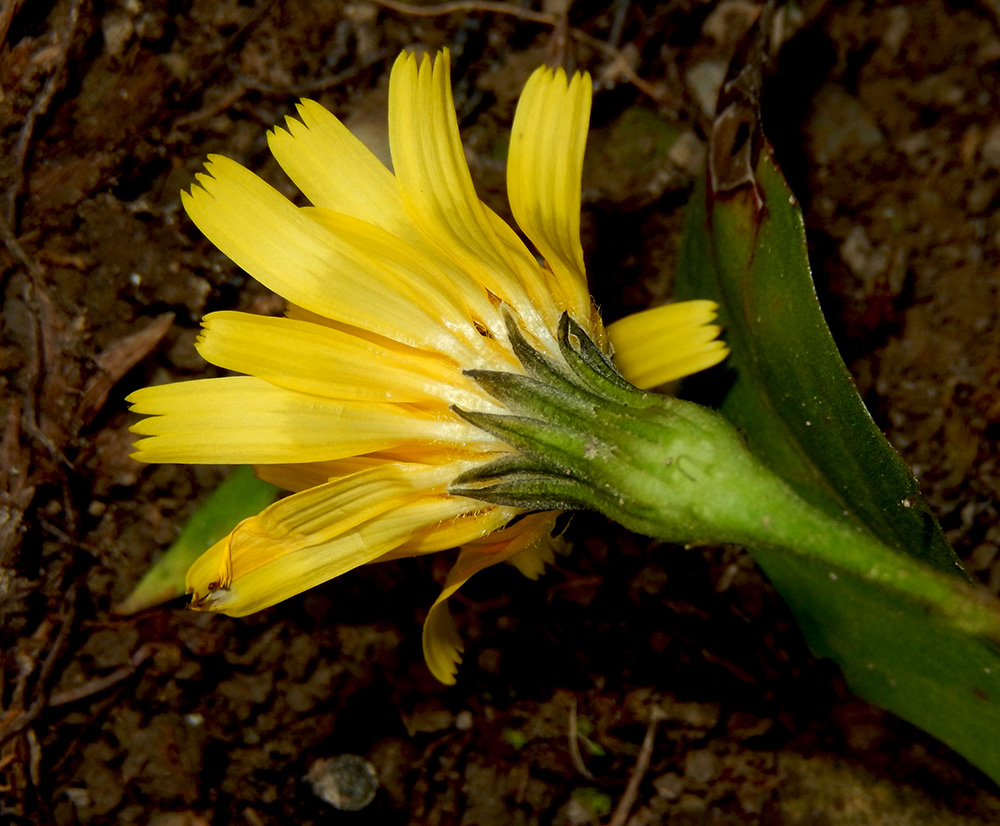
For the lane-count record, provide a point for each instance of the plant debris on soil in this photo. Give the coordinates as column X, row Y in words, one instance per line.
column 634, row 683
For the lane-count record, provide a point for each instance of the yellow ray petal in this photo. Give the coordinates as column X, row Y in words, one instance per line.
column 300, row 259
column 477, row 523
column 493, row 349
column 437, row 189
column 442, row 645
column 459, row 302
column 667, row 342
column 305, row 475
column 335, row 170
column 532, row 560
column 314, row 536
column 544, row 170
column 244, row 420
column 299, row 476
column 322, row 361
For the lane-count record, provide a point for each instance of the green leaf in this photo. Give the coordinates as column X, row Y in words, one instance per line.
column 238, row 497
column 898, row 656
column 795, row 401
column 792, row 395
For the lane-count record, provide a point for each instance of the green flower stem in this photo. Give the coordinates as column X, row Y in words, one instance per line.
column 676, row 471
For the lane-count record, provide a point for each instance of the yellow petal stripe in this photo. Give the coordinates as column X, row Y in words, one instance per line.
column 667, row 343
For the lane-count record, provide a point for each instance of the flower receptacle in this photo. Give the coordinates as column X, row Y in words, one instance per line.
column 585, row 438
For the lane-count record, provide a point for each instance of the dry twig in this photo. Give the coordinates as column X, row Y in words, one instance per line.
column 18, row 718
column 624, row 806
column 7, row 12
column 18, row 252
column 99, row 684
column 611, row 52
column 319, row 84
column 116, row 360
column 64, row 40
column 574, row 744
column 486, row 6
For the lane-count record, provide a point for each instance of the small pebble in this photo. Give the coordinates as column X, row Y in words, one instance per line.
column 702, row 766
column 347, row 782
column 670, row 786
column 991, row 148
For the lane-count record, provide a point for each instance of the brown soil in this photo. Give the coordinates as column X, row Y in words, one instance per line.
column 885, row 118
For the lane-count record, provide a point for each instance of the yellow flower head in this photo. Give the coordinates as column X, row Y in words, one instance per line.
column 401, row 287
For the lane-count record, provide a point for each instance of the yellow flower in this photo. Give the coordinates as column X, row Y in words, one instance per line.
column 400, row 287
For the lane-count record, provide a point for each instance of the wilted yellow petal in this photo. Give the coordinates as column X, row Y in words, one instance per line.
column 313, row 536
column 532, row 560
column 442, row 645
column 468, row 527
column 667, row 342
